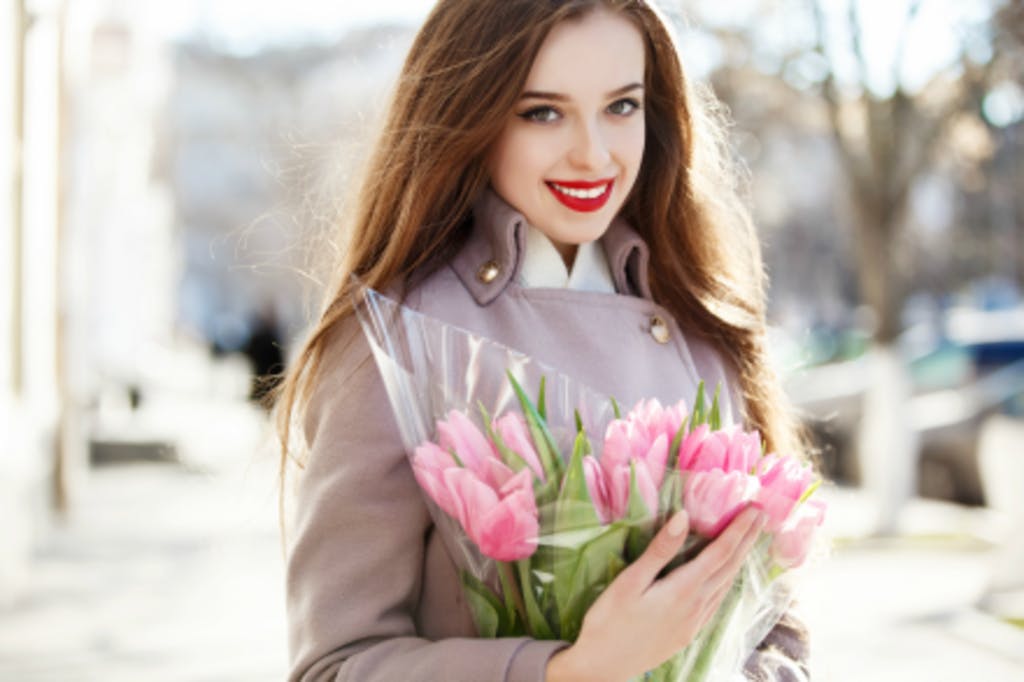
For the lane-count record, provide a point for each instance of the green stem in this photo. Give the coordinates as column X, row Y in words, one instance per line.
column 715, row 632
column 510, row 589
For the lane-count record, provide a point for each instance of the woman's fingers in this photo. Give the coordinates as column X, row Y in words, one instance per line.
column 663, row 548
column 734, row 542
column 726, row 573
column 717, row 564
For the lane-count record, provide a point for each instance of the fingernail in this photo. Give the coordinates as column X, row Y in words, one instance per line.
column 677, row 524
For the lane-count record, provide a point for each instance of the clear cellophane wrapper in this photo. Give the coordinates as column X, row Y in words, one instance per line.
column 431, row 368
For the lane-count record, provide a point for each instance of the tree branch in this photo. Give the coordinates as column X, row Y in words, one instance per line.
column 901, row 46
column 833, row 103
column 853, row 17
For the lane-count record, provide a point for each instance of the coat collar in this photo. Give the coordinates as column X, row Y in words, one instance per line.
column 493, row 255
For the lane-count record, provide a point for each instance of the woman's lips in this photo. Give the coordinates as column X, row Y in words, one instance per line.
column 581, row 195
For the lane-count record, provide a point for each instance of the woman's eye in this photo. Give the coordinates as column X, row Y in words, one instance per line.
column 623, row 107
column 541, row 115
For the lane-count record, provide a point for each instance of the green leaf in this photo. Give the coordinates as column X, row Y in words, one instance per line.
column 484, row 605
column 537, row 625
column 615, row 409
column 670, row 495
column 575, row 509
column 596, row 565
column 542, row 405
column 810, row 491
column 546, row 494
column 543, row 441
column 579, row 421
column 455, row 456
column 510, row 594
column 673, row 448
column 697, row 413
column 574, row 513
column 715, row 419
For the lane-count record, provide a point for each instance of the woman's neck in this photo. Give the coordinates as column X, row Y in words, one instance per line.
column 568, row 254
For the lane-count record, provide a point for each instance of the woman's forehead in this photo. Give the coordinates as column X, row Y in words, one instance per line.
column 600, row 51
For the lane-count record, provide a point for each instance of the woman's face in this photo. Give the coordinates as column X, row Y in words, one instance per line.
column 572, row 148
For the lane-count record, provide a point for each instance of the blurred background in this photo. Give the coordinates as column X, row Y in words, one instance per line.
column 170, row 170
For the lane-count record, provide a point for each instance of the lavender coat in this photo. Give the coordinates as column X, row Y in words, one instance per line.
column 371, row 591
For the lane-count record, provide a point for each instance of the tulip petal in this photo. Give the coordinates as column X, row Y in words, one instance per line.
column 513, row 430
column 793, row 542
column 461, row 435
column 713, row 498
column 429, row 463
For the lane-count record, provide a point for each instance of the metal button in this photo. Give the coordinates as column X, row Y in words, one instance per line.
column 488, row 272
column 659, row 329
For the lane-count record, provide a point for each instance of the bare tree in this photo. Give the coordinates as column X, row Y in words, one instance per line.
column 886, row 141
column 887, row 138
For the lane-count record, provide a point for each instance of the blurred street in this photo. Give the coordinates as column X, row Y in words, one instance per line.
column 906, row 607
column 172, row 572
column 163, row 572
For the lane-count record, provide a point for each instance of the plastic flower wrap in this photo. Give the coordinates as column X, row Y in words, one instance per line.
column 543, row 491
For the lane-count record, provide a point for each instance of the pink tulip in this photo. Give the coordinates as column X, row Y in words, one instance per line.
column 609, row 489
column 729, row 449
column 654, row 419
column 503, row 523
column 784, row 480
column 641, row 438
column 429, row 462
column 597, row 487
column 626, row 441
column 714, row 498
column 460, row 434
column 494, row 505
column 618, row 485
column 513, row 431
column 629, row 442
column 794, row 540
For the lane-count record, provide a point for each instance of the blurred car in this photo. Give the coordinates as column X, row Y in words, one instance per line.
column 973, row 369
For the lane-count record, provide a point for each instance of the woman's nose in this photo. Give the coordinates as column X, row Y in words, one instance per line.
column 590, row 148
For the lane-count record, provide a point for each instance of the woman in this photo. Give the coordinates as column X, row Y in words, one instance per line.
column 544, row 178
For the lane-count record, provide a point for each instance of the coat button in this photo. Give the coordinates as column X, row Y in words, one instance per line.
column 488, row 272
column 659, row 329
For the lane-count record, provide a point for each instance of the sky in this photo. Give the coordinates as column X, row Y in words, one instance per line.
column 245, row 26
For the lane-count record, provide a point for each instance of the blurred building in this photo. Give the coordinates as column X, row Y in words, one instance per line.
column 258, row 150
column 30, row 187
column 158, row 199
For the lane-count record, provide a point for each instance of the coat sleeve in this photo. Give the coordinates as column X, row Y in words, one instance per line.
column 356, row 546
column 783, row 654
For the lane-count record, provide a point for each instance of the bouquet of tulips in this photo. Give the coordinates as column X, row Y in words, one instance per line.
column 544, row 501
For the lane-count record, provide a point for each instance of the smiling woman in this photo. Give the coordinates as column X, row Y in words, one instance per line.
column 570, row 153
column 545, row 178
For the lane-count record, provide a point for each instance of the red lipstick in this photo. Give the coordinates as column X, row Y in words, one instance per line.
column 579, row 195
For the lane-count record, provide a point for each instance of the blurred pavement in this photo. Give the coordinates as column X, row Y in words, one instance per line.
column 905, row 607
column 163, row 573
column 167, row 572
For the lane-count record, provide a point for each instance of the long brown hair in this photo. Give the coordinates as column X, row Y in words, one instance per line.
column 462, row 77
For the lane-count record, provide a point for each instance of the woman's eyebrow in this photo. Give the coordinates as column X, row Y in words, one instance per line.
column 559, row 97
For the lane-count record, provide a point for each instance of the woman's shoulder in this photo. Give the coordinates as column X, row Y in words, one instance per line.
column 344, row 368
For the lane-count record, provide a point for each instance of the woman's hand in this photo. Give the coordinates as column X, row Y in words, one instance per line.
column 640, row 621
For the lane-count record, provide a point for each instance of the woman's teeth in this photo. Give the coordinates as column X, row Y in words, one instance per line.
column 592, row 193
